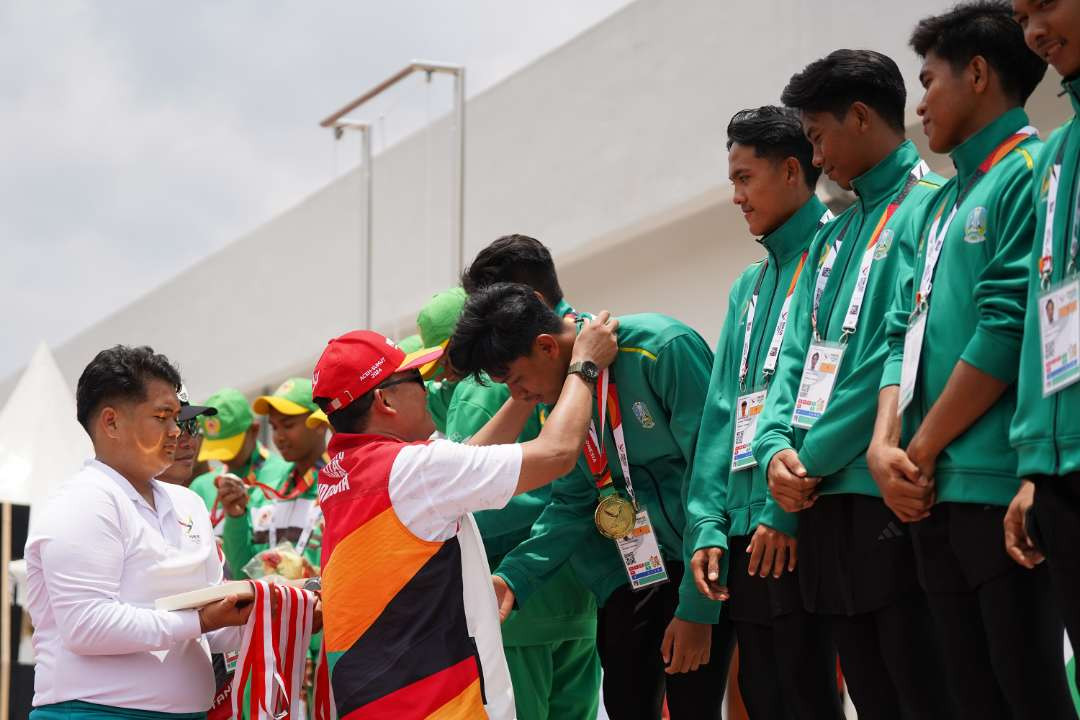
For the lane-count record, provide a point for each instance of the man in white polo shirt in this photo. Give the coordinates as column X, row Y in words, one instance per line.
column 112, row 541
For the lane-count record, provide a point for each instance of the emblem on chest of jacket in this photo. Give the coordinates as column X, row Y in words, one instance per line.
column 641, row 412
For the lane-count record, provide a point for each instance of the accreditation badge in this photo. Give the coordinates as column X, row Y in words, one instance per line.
column 640, row 554
column 1059, row 333
column 909, row 370
column 816, row 385
column 747, row 411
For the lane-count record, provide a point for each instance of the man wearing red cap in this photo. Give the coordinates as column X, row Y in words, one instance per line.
column 411, row 626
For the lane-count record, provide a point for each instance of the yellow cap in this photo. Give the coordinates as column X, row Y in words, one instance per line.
column 428, row 368
column 317, row 419
column 221, row 449
column 292, row 398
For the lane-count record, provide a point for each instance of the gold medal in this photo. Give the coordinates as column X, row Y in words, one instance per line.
column 614, row 516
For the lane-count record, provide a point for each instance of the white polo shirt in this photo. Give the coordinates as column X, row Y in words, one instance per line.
column 97, row 557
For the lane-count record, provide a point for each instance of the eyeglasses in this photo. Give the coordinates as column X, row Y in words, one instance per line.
column 413, row 376
column 190, row 427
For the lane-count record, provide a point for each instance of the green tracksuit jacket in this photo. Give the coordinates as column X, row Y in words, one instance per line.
column 835, row 447
column 440, row 395
column 1046, row 431
column 662, row 374
column 723, row 503
column 246, row 536
column 976, row 307
column 563, row 608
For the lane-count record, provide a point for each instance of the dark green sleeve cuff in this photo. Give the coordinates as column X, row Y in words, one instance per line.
column 708, row 533
column 518, row 580
column 993, row 354
column 693, row 606
column 772, row 515
column 890, row 374
column 764, row 448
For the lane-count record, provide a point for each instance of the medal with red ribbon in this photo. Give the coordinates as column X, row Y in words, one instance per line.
column 614, row 514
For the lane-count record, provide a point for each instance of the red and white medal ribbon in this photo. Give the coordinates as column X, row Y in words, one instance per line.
column 273, row 653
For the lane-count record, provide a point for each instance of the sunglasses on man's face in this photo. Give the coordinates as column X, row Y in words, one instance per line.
column 412, row 376
column 189, row 427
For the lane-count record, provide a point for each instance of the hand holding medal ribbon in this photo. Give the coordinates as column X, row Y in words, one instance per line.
column 219, row 509
column 273, row 654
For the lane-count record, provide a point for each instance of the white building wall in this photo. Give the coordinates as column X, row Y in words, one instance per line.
column 610, row 149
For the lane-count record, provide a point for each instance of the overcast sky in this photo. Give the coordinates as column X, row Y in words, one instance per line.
column 137, row 137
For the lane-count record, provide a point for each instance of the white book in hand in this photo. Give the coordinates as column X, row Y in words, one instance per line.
column 205, row 596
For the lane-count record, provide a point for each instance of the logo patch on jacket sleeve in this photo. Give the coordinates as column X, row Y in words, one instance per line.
column 975, row 227
column 641, row 412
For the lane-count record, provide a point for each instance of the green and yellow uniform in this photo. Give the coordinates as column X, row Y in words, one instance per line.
column 1045, row 431
column 722, row 502
column 835, row 447
column 975, row 311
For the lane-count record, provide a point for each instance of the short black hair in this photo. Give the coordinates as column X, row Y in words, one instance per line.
column 986, row 28
column 843, row 77
column 774, row 133
column 353, row 417
column 499, row 324
column 516, row 259
column 120, row 373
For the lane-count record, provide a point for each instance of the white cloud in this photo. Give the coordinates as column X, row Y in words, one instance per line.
column 141, row 136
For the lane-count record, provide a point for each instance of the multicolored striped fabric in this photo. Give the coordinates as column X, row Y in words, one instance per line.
column 394, row 623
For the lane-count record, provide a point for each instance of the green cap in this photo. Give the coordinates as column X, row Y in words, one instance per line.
column 293, row 397
column 411, row 344
column 224, row 432
column 439, row 316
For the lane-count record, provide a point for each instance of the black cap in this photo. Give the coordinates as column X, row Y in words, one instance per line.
column 189, row 411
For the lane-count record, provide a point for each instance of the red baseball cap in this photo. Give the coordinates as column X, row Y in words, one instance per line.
column 356, row 362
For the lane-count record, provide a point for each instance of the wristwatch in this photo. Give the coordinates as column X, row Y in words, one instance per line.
column 586, row 369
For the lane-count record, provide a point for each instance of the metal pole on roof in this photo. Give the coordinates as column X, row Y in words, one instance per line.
column 457, row 160
column 337, row 120
column 369, row 262
column 340, row 126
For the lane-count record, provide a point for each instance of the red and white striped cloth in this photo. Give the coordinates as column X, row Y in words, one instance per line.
column 273, row 656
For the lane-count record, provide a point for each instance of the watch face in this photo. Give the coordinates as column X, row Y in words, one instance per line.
column 590, row 371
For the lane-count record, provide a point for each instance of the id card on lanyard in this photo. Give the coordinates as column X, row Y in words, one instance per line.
column 935, row 242
column 822, row 364
column 748, row 406
column 1059, row 320
column 623, row 521
column 823, row 358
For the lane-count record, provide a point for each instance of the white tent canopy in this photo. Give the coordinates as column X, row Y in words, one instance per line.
column 41, row 442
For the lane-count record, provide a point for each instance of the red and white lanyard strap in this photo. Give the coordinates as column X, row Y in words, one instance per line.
column 825, row 271
column 273, row 653
column 595, row 451
column 938, row 231
column 851, row 317
column 769, row 366
column 217, row 514
column 1046, row 260
column 751, row 309
column 781, row 323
